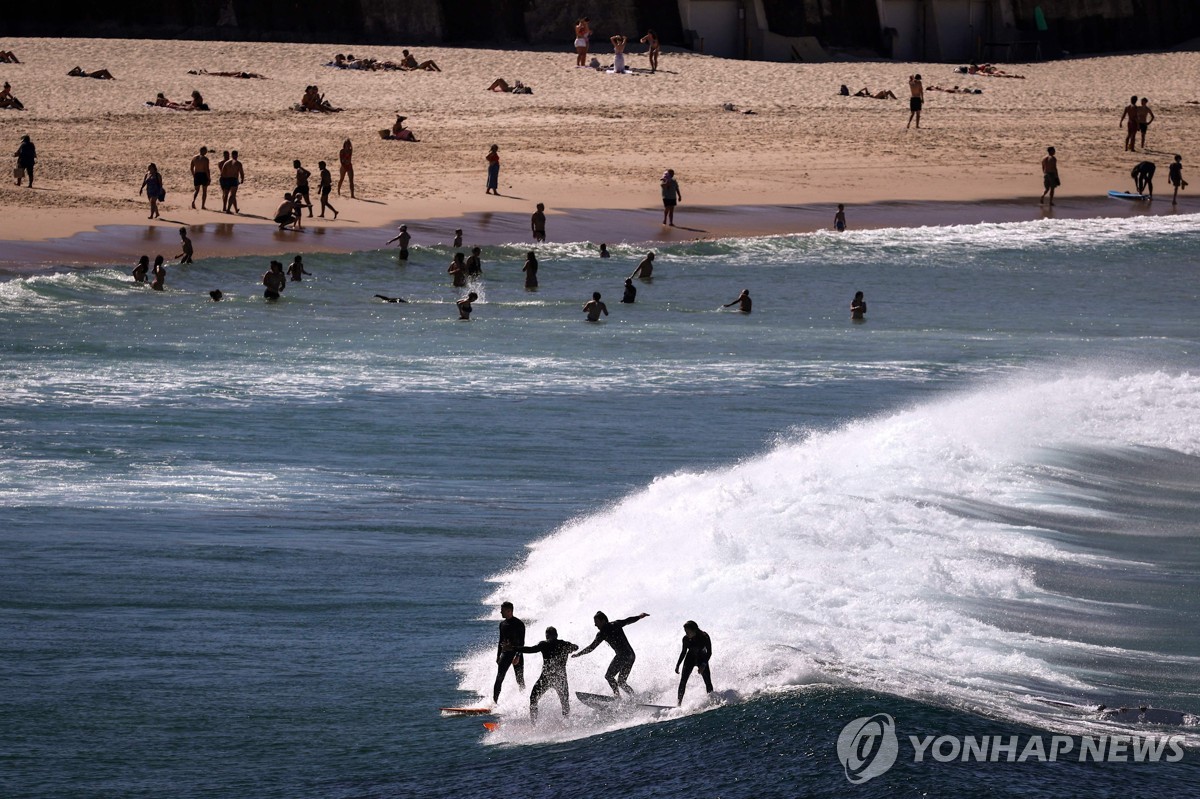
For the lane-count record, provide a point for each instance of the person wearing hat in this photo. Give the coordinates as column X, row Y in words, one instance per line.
column 403, row 238
column 697, row 649
column 26, row 155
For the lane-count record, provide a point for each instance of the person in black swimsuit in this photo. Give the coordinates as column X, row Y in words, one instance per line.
column 508, row 651
column 611, row 632
column 554, row 672
column 697, row 649
column 1143, row 178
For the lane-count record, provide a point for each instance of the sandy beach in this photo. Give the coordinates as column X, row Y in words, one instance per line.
column 584, row 140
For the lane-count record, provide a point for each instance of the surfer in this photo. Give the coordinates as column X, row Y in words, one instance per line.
column 612, row 633
column 1143, row 178
column 697, row 649
column 508, row 651
column 554, row 672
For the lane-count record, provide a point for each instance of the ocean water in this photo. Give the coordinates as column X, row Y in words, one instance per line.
column 248, row 549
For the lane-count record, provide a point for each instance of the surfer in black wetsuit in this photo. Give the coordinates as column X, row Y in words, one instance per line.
column 508, row 651
column 697, row 649
column 622, row 662
column 554, row 672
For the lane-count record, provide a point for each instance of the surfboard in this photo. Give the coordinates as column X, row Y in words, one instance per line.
column 491, row 726
column 1126, row 195
column 466, row 711
column 599, row 702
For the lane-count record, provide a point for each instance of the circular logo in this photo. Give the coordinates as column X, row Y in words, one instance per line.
column 867, row 747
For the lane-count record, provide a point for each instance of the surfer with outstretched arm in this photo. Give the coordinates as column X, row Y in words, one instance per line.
column 554, row 672
column 611, row 632
column 697, row 649
column 508, row 651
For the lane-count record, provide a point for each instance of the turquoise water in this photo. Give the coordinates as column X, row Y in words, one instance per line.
column 249, row 549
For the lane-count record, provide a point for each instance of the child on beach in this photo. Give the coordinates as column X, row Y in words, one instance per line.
column 158, row 283
column 1175, row 176
column 184, row 257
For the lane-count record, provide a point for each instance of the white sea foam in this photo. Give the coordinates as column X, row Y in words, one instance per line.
column 834, row 556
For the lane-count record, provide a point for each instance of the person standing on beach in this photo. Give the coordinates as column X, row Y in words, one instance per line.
column 346, row 167
column 200, row 178
column 839, row 219
column 593, row 308
column 508, row 650
column 538, row 223
column 152, row 184
column 670, row 196
column 403, row 238
column 232, row 176
column 1175, row 175
column 325, row 186
column 916, row 101
column 858, row 307
column 300, row 193
column 644, row 270
column 1050, row 180
column 493, row 172
column 583, row 31
column 530, row 269
column 651, row 40
column 1144, row 117
column 1130, row 118
column 184, row 257
column 743, row 302
column 26, row 156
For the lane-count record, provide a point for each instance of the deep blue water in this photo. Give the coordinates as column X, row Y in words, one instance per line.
column 249, row 549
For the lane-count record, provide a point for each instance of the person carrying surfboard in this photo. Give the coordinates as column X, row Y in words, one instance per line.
column 697, row 649
column 508, row 651
column 612, row 633
column 554, row 672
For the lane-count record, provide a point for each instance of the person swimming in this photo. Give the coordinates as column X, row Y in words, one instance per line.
column 858, row 307
column 743, row 302
column 464, row 306
column 594, row 308
column 630, row 294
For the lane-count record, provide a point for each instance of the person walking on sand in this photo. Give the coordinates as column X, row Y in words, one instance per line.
column 538, row 223
column 583, row 31
column 300, row 193
column 916, row 101
column 508, row 650
column 670, row 196
column 346, row 167
column 152, row 184
column 325, row 186
column 1130, row 119
column 1144, row 117
column 184, row 257
column 232, row 176
column 200, row 178
column 593, row 308
column 1175, row 176
column 403, row 238
column 839, row 219
column 1050, row 180
column 743, row 302
column 26, row 156
column 493, row 171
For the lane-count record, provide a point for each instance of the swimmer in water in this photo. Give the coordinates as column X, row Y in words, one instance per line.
column 464, row 307
column 839, row 219
column 858, row 307
column 594, row 308
column 743, row 302
column 391, row 299
column 645, row 270
column 630, row 294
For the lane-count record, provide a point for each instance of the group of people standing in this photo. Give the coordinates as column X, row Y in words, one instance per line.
column 583, row 36
column 694, row 656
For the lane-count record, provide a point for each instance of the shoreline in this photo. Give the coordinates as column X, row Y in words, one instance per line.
column 118, row 244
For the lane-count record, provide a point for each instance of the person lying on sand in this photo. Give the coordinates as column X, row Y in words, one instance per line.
column 7, row 100
column 160, row 101
column 886, row 94
column 8, row 57
column 501, row 85
column 953, row 90
column 313, row 100
column 100, row 74
column 991, row 70
column 246, row 75
column 409, row 62
column 398, row 131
